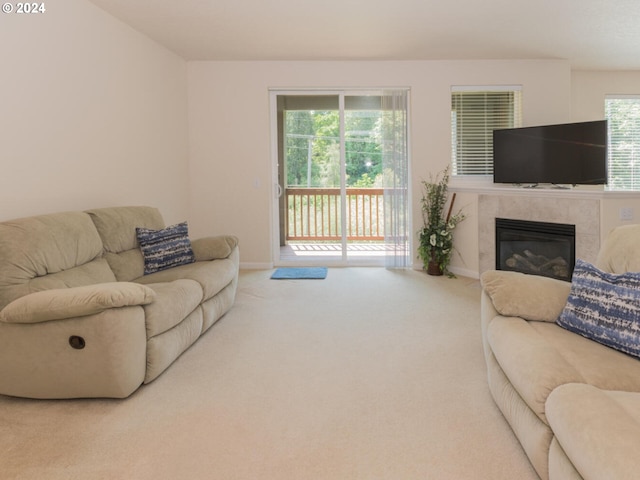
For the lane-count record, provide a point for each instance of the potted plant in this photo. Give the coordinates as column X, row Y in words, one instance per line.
column 436, row 236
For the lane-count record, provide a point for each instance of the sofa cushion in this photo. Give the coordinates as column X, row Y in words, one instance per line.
column 212, row 276
column 532, row 297
column 117, row 229
column 537, row 357
column 163, row 349
column 604, row 307
column 127, row 265
column 62, row 303
column 117, row 225
column 599, row 431
column 174, row 301
column 36, row 247
column 165, row 248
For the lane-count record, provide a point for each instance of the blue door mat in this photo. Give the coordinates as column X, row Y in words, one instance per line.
column 304, row 273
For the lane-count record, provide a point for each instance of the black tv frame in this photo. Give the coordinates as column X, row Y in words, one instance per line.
column 559, row 154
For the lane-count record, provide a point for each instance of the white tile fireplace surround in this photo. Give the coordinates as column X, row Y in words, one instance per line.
column 542, row 206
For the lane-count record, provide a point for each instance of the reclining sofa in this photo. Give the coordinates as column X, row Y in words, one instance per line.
column 562, row 361
column 97, row 303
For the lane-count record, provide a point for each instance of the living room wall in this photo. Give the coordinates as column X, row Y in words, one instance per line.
column 93, row 114
column 230, row 133
column 588, row 92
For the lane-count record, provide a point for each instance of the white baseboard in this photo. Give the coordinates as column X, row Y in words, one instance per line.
column 463, row 272
column 255, row 266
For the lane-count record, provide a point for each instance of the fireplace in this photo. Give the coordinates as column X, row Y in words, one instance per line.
column 538, row 248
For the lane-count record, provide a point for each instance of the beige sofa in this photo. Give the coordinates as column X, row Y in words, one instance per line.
column 78, row 316
column 573, row 403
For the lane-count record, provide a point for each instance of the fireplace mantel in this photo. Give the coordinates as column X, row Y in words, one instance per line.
column 604, row 212
column 541, row 205
column 587, row 192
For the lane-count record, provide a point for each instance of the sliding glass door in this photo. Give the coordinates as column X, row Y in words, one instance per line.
column 329, row 177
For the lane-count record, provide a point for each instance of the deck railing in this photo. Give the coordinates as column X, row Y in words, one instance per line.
column 314, row 214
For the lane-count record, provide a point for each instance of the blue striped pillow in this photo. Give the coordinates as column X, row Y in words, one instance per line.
column 165, row 248
column 604, row 307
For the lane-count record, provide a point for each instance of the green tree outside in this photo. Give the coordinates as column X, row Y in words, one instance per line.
column 312, row 148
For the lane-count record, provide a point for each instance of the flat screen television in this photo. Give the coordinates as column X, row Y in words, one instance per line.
column 563, row 154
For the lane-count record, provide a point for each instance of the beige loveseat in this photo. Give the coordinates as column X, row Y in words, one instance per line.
column 573, row 403
column 80, row 318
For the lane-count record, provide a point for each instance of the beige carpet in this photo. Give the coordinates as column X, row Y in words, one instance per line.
column 370, row 374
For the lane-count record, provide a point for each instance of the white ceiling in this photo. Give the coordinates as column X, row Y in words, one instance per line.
column 591, row 34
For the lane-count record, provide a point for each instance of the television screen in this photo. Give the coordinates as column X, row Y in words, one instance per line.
column 564, row 154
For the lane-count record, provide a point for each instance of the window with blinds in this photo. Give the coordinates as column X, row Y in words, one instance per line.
column 475, row 114
column 623, row 115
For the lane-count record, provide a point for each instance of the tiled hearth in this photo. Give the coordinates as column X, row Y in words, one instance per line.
column 584, row 213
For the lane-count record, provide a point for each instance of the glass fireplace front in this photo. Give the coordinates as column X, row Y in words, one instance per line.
column 537, row 248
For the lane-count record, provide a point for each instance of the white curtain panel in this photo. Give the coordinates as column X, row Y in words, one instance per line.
column 395, row 131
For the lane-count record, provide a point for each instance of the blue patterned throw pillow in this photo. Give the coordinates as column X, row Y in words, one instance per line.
column 165, row 248
column 604, row 307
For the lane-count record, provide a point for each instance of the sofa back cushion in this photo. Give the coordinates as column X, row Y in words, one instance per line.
column 49, row 251
column 620, row 252
column 117, row 228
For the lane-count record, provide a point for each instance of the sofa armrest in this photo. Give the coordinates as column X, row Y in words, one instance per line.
column 531, row 297
column 212, row 248
column 61, row 303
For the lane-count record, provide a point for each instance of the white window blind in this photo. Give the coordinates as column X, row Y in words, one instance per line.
column 475, row 114
column 623, row 115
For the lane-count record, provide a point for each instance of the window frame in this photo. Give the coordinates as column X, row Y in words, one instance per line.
column 619, row 176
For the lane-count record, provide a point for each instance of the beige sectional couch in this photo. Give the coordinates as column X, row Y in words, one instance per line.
column 573, row 403
column 80, row 318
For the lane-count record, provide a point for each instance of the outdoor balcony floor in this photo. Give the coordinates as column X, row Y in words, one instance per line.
column 361, row 253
